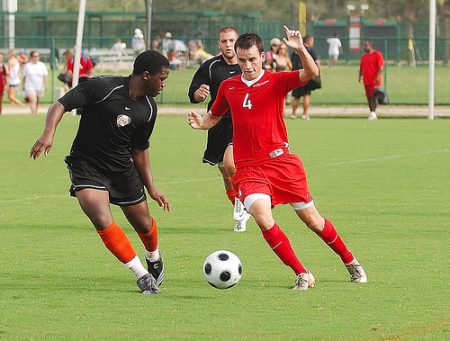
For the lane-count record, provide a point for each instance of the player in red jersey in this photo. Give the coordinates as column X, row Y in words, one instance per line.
column 267, row 174
column 370, row 69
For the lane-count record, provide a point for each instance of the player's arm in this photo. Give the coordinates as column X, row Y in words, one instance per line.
column 196, row 121
column 45, row 142
column 142, row 163
column 295, row 42
column 201, row 93
column 199, row 88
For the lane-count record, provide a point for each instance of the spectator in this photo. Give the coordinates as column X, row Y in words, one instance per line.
column 119, row 48
column 4, row 80
column 138, row 43
column 370, row 69
column 23, row 59
column 279, row 61
column 86, row 67
column 14, row 77
column 35, row 81
column 335, row 46
column 274, row 43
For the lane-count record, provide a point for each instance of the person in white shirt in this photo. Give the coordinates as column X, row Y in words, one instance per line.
column 335, row 46
column 35, row 80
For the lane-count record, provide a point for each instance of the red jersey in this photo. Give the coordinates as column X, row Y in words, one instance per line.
column 3, row 74
column 85, row 65
column 370, row 64
column 257, row 107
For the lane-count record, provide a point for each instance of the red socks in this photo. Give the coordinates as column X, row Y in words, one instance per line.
column 330, row 236
column 117, row 242
column 280, row 244
column 150, row 240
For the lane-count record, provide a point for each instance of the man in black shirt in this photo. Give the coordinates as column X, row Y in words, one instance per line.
column 109, row 161
column 304, row 91
column 219, row 149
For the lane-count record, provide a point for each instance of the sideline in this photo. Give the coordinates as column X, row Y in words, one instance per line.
column 390, row 110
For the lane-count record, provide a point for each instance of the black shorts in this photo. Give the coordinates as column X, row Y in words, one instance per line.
column 219, row 138
column 124, row 188
column 301, row 91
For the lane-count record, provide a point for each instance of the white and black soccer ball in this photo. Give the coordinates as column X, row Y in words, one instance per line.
column 222, row 269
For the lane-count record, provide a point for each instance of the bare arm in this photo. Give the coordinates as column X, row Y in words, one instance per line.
column 45, row 142
column 142, row 162
column 295, row 41
column 380, row 70
column 196, row 121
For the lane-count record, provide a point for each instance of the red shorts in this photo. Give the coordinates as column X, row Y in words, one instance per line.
column 370, row 90
column 283, row 178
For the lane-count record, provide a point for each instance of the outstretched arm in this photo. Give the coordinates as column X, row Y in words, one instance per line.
column 295, row 41
column 45, row 142
column 196, row 121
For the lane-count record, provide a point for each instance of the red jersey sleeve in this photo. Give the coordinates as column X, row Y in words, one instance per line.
column 221, row 105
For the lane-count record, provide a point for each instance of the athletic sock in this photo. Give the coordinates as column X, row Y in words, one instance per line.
column 330, row 236
column 231, row 194
column 150, row 239
column 117, row 242
column 280, row 244
column 136, row 266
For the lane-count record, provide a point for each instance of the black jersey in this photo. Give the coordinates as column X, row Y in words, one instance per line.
column 213, row 72
column 111, row 124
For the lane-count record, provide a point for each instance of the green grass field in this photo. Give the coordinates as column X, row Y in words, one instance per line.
column 384, row 185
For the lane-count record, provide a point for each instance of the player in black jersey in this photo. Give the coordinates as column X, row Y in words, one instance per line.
column 219, row 149
column 109, row 161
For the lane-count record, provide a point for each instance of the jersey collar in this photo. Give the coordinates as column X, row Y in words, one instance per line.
column 253, row 81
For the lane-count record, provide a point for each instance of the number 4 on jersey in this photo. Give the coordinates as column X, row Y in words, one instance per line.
column 247, row 103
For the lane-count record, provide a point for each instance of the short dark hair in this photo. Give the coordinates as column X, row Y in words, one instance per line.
column 228, row 29
column 151, row 61
column 247, row 40
column 307, row 38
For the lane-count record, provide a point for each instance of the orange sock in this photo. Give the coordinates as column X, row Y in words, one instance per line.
column 117, row 242
column 150, row 239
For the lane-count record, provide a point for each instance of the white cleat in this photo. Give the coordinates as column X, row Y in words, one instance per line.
column 241, row 225
column 239, row 210
column 356, row 271
column 304, row 281
column 372, row 116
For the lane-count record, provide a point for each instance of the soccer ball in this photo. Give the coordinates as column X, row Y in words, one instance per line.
column 222, row 269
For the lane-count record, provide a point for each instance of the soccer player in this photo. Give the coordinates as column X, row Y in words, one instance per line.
column 219, row 148
column 109, row 161
column 370, row 69
column 267, row 174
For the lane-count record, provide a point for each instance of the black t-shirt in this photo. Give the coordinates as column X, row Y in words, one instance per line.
column 297, row 62
column 111, row 124
column 212, row 72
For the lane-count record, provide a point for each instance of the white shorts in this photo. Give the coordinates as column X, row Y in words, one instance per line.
column 31, row 91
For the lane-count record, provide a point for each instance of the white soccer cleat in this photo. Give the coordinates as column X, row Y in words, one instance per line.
column 372, row 116
column 241, row 225
column 304, row 281
column 239, row 210
column 356, row 271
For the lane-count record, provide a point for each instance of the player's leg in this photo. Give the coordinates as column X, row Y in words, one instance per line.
column 260, row 209
column 240, row 214
column 306, row 104
column 95, row 204
column 326, row 231
column 228, row 183
column 145, row 226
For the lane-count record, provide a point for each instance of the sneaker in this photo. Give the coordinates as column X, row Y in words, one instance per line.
column 372, row 116
column 293, row 117
column 241, row 225
column 306, row 117
column 304, row 281
column 148, row 285
column 239, row 210
column 356, row 271
column 156, row 269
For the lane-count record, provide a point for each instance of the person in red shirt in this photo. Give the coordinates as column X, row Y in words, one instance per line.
column 86, row 68
column 4, row 80
column 267, row 174
column 370, row 69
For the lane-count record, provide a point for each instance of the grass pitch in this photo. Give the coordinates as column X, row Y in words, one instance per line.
column 383, row 184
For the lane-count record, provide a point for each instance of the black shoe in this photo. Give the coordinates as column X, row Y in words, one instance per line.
column 156, row 269
column 148, row 285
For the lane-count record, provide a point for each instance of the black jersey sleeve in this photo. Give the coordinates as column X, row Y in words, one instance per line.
column 200, row 77
column 140, row 138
